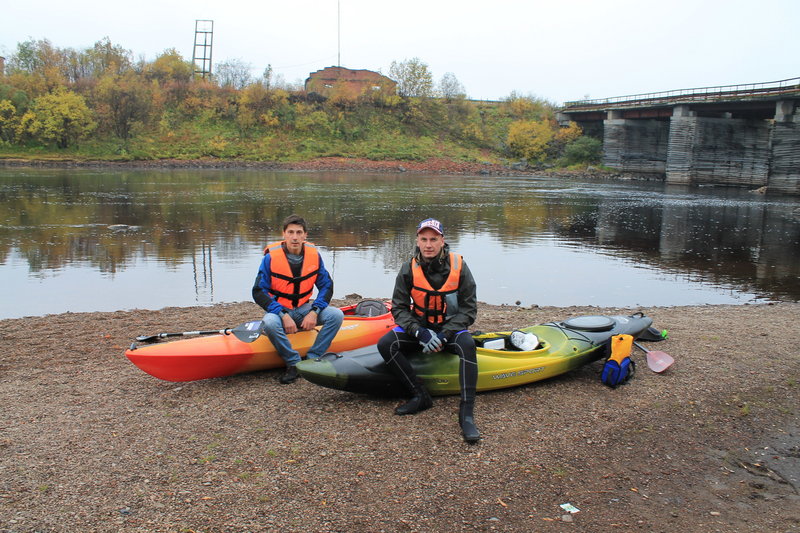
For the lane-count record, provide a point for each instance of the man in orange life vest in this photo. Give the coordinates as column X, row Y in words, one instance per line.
column 286, row 278
column 433, row 304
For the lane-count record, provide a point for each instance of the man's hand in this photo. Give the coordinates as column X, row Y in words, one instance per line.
column 288, row 324
column 309, row 321
column 429, row 340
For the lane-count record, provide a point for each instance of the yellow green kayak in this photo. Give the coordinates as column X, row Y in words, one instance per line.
column 559, row 347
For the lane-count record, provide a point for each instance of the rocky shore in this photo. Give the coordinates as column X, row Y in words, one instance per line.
column 440, row 165
column 88, row 442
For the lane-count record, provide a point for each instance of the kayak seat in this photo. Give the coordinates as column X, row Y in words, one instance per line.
column 499, row 342
column 370, row 308
column 493, row 343
column 506, row 344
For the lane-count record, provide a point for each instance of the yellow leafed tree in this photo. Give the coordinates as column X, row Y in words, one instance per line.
column 61, row 117
column 529, row 139
column 569, row 133
column 8, row 120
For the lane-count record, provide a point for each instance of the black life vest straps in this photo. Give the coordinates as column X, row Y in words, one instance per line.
column 294, row 296
column 431, row 314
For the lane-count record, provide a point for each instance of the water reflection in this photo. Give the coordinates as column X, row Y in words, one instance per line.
column 97, row 240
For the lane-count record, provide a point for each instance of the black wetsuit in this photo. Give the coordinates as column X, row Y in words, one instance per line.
column 394, row 346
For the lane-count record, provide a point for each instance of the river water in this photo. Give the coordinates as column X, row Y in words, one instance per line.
column 101, row 240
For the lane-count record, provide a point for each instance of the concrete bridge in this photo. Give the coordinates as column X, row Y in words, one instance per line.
column 744, row 135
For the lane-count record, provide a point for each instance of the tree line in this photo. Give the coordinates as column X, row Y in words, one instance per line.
column 102, row 103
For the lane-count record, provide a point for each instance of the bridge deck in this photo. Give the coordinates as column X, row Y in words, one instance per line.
column 770, row 91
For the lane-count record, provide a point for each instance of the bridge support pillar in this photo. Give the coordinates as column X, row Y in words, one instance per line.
column 785, row 168
column 723, row 151
column 636, row 146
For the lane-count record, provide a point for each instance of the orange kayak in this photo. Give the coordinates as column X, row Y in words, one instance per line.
column 225, row 355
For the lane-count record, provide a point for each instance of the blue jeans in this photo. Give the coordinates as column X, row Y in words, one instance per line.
column 330, row 318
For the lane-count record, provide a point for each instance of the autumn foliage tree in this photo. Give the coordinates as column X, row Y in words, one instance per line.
column 61, row 117
column 528, row 107
column 102, row 59
column 170, row 66
column 13, row 104
column 413, row 77
column 37, row 67
column 8, row 121
column 562, row 137
column 257, row 104
column 529, row 139
column 233, row 73
column 538, row 140
column 122, row 102
column 450, row 88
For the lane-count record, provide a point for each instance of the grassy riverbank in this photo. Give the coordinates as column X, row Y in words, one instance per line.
column 99, row 104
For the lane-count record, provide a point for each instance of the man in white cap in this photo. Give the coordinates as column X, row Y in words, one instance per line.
column 433, row 304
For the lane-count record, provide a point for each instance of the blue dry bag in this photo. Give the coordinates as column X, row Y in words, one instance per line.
column 619, row 368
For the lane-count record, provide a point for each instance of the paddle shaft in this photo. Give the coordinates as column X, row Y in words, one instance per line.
column 150, row 338
column 642, row 348
column 247, row 332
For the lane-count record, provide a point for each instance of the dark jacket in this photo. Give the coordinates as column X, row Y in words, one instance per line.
column 436, row 271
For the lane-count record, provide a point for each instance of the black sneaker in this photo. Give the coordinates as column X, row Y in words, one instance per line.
column 289, row 376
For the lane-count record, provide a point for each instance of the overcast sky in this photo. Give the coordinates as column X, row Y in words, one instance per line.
column 559, row 50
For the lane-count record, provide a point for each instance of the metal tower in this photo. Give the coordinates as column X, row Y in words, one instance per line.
column 203, row 40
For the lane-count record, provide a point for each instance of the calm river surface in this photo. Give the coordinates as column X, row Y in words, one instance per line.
column 100, row 240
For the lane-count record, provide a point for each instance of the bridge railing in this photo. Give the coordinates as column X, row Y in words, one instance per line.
column 791, row 85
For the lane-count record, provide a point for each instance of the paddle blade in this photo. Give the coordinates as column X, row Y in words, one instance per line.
column 659, row 361
column 247, row 332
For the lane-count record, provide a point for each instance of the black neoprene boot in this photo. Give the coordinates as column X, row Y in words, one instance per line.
column 466, row 419
column 420, row 400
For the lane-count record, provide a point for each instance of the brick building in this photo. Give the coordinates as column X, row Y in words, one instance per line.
column 351, row 83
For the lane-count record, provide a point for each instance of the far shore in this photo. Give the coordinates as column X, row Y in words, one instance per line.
column 439, row 165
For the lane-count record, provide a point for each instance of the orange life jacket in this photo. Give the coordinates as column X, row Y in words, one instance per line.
column 433, row 305
column 290, row 291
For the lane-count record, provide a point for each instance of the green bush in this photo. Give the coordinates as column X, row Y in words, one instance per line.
column 583, row 150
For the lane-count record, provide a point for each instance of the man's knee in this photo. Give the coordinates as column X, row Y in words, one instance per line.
column 465, row 342
column 271, row 323
column 464, row 338
column 332, row 315
column 385, row 343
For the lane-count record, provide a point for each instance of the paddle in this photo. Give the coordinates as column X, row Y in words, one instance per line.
column 657, row 361
column 247, row 332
